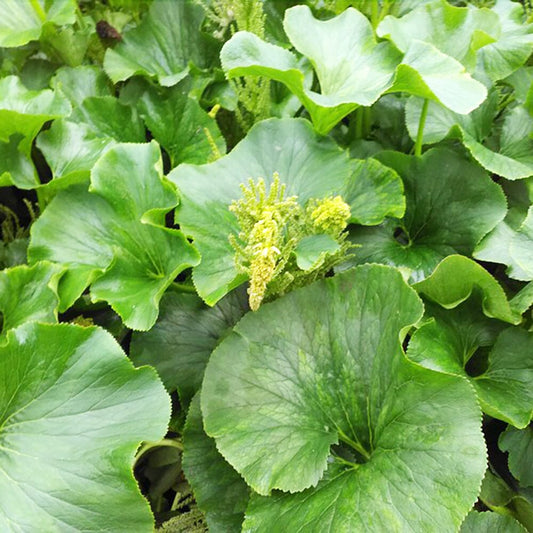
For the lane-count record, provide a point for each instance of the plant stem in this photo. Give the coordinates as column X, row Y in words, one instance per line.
column 38, row 9
column 421, row 124
column 374, row 16
column 355, row 445
column 170, row 443
column 183, row 287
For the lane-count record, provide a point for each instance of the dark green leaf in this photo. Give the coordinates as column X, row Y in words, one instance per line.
column 519, row 444
column 450, row 205
column 219, row 491
column 182, row 339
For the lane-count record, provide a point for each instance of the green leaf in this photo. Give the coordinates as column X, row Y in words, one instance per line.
column 73, row 412
column 181, row 126
column 181, row 341
column 302, row 159
column 523, row 299
column 296, row 378
column 113, row 236
column 511, row 158
column 511, row 246
column 495, row 523
column 503, row 386
column 219, row 491
column 16, row 167
column 456, row 278
column 71, row 150
column 107, row 117
column 441, row 122
column 21, row 21
column 456, row 31
column 73, row 145
column 28, row 294
column 351, row 67
column 24, row 112
column 514, row 43
column 519, row 444
column 163, row 45
column 311, row 250
column 450, row 205
column 81, row 82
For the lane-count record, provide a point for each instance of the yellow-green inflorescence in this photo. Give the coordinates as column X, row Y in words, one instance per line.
column 271, row 227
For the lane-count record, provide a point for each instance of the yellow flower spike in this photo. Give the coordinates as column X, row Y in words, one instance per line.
column 330, row 215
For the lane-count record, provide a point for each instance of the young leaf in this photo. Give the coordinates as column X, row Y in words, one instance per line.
column 302, row 159
column 296, row 378
column 182, row 339
column 73, row 410
column 219, row 491
column 113, row 236
column 163, row 44
column 450, row 205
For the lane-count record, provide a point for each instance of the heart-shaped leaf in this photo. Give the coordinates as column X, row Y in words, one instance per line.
column 450, row 205
column 302, row 159
column 73, row 410
column 301, row 388
column 113, row 236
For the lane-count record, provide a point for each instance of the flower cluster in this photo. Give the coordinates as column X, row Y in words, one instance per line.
column 271, row 226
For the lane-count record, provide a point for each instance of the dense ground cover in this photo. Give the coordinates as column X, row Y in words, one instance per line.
column 266, row 265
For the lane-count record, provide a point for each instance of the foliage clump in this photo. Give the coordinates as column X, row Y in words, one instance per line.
column 271, row 227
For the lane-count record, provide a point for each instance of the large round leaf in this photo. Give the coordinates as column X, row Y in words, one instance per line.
column 451, row 204
column 311, row 166
column 113, row 236
column 296, row 378
column 72, row 412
